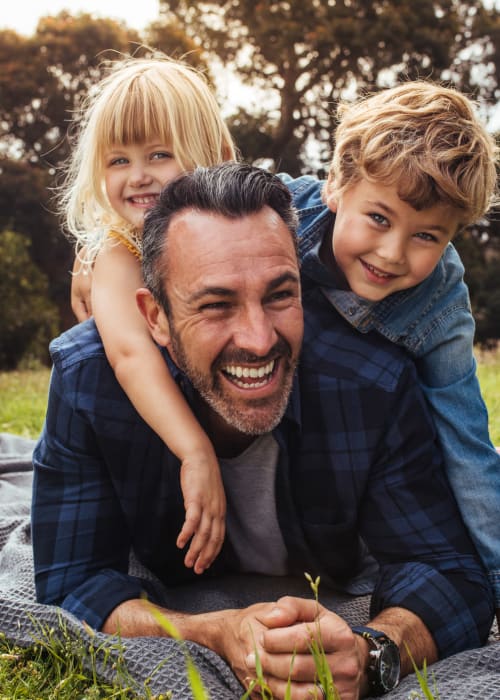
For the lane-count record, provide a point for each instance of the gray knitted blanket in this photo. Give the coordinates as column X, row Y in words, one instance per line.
column 470, row 675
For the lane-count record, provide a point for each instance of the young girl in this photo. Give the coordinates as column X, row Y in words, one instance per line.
column 144, row 124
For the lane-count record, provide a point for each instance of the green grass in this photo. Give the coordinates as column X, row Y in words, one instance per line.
column 23, row 401
column 488, row 373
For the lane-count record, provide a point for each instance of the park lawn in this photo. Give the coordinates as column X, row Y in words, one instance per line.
column 23, row 401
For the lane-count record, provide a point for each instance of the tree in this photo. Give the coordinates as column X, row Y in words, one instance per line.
column 310, row 53
column 28, row 321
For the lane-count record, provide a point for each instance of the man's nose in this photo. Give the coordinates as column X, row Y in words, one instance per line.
column 255, row 331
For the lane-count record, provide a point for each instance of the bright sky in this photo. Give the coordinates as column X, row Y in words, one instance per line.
column 23, row 15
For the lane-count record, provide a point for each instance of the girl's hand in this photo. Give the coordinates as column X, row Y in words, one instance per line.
column 205, row 504
column 81, row 285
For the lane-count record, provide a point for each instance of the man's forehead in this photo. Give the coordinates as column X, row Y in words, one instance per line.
column 208, row 236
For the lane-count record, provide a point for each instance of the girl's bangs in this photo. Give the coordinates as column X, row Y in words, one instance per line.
column 133, row 118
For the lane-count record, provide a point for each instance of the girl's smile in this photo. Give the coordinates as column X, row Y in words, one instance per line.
column 134, row 176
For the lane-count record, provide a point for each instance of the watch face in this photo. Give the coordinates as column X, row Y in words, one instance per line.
column 389, row 666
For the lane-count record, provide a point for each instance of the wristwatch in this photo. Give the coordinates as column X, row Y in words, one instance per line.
column 384, row 664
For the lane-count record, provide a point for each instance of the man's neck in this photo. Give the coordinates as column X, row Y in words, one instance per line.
column 228, row 442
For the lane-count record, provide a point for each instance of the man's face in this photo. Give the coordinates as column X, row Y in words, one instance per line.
column 236, row 320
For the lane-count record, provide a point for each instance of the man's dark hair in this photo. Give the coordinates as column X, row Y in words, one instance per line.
column 232, row 190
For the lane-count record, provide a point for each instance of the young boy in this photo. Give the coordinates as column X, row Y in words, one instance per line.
column 412, row 167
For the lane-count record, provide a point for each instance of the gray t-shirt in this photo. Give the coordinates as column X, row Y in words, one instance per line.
column 252, row 521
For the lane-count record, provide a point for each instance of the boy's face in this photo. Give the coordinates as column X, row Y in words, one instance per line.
column 134, row 176
column 382, row 244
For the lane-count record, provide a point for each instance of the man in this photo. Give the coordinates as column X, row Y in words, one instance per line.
column 312, row 460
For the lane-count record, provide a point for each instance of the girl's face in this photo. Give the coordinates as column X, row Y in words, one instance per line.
column 134, row 175
column 381, row 243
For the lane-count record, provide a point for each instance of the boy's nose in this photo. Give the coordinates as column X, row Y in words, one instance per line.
column 392, row 249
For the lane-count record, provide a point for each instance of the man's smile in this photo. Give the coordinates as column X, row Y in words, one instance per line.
column 250, row 377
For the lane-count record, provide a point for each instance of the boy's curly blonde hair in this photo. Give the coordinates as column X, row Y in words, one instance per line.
column 139, row 100
column 426, row 139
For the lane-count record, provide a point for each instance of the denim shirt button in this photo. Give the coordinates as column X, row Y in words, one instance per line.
column 351, row 310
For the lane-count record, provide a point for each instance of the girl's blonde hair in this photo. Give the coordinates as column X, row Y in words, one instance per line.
column 426, row 139
column 139, row 100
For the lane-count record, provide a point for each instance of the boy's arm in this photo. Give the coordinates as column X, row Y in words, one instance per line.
column 142, row 373
column 447, row 373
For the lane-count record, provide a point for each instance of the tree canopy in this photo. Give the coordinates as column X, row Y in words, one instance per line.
column 311, row 53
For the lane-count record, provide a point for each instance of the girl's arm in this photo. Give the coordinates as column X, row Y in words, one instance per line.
column 81, row 283
column 144, row 376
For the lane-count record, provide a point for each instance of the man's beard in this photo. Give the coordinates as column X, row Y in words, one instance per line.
column 251, row 417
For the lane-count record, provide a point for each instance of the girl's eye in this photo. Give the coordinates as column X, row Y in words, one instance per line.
column 118, row 161
column 159, row 155
column 426, row 237
column 379, row 219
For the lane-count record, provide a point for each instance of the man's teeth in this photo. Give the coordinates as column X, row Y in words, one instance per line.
column 238, row 372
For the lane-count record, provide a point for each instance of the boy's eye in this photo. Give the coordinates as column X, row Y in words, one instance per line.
column 379, row 219
column 422, row 235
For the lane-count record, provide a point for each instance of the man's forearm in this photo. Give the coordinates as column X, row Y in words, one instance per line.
column 138, row 618
column 407, row 630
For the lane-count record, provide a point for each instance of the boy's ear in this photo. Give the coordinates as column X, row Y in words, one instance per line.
column 330, row 193
column 154, row 315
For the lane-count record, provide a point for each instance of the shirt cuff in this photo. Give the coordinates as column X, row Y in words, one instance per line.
column 455, row 604
column 95, row 599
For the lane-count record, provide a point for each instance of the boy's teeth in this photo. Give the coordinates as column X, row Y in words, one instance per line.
column 377, row 272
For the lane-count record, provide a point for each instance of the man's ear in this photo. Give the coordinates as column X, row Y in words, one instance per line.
column 330, row 193
column 154, row 315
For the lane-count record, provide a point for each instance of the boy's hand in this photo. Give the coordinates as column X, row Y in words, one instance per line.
column 205, row 504
column 81, row 285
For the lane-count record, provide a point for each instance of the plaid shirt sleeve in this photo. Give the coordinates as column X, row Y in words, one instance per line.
column 80, row 536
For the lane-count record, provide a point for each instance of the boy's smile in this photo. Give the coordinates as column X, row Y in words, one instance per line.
column 381, row 243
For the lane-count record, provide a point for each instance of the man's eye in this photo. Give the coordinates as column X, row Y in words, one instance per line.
column 282, row 295
column 214, row 306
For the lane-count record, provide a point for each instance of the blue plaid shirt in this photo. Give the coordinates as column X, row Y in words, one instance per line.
column 357, row 459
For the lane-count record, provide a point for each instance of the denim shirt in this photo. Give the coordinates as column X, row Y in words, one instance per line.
column 434, row 323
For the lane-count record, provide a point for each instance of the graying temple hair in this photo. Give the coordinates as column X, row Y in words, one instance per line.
column 231, row 189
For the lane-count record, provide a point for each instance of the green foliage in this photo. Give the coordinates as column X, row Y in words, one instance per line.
column 28, row 320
